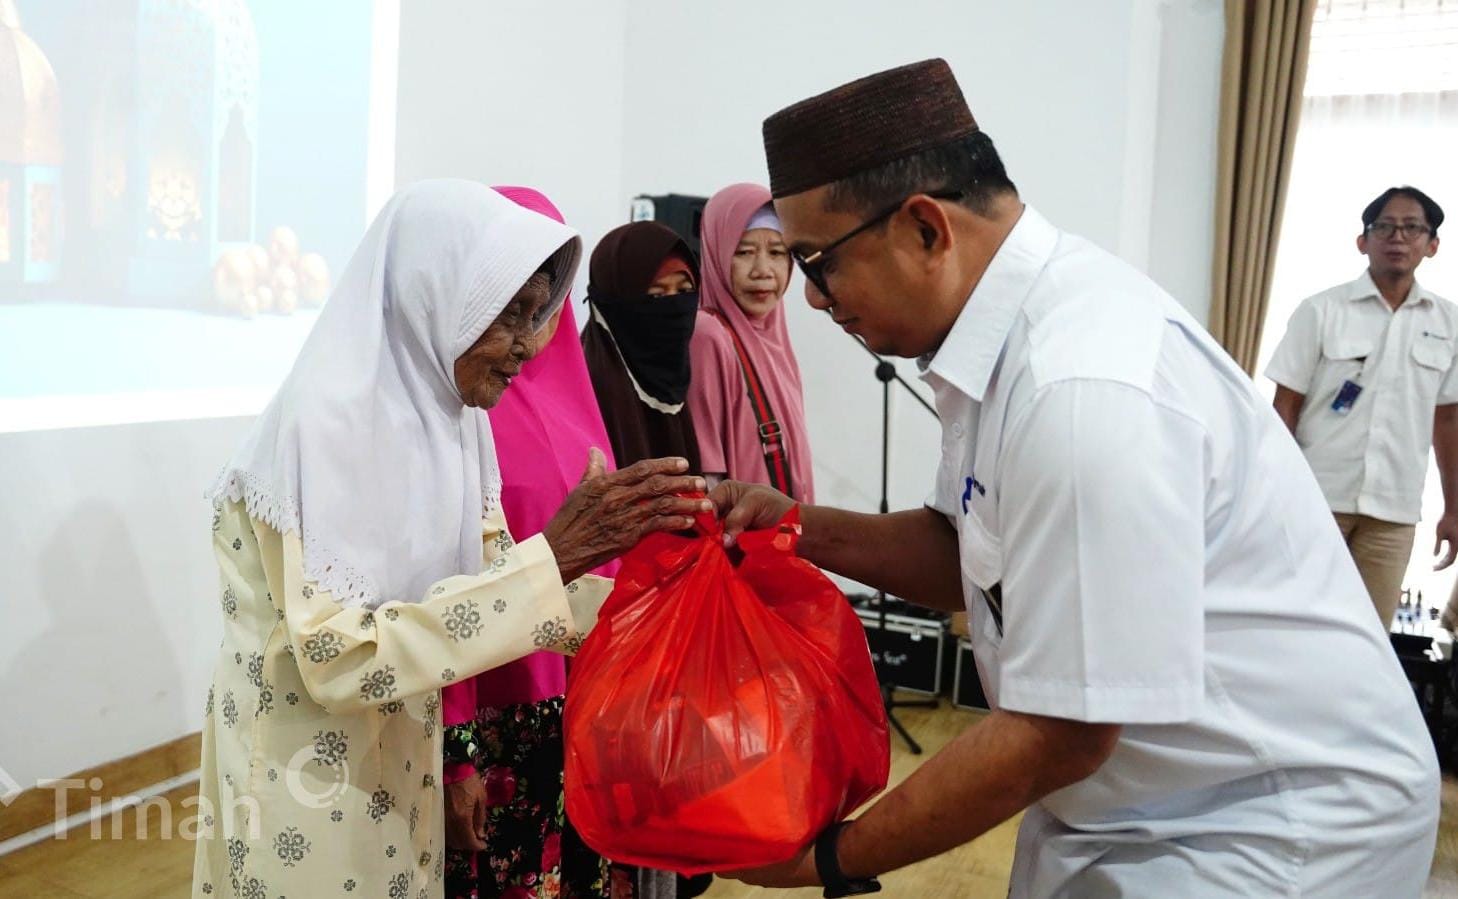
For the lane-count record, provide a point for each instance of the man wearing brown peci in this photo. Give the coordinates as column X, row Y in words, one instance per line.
column 1191, row 695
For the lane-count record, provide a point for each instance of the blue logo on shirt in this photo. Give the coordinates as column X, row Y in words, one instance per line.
column 972, row 484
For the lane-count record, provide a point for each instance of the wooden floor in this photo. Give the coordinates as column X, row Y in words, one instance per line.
column 80, row 867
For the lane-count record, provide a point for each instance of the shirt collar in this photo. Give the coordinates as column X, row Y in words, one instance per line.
column 1364, row 288
column 969, row 354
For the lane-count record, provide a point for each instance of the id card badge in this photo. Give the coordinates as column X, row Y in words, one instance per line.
column 1346, row 397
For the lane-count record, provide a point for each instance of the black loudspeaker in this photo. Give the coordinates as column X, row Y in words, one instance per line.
column 682, row 213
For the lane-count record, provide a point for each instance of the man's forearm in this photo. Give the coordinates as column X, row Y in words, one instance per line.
column 910, row 554
column 1288, row 405
column 992, row 771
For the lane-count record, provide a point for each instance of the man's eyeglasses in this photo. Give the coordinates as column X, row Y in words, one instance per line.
column 1409, row 230
column 813, row 265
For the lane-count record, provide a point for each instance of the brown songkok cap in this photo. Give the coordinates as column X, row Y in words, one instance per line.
column 864, row 124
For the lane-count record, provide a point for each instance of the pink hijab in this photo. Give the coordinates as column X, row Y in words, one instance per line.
column 723, row 417
column 544, row 426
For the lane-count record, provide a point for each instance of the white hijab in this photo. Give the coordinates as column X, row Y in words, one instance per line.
column 367, row 451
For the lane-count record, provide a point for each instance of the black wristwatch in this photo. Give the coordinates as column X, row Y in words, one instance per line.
column 827, row 865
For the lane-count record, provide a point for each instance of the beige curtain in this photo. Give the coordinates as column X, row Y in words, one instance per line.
column 1266, row 45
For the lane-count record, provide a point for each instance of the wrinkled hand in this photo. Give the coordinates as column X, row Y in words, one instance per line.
column 465, row 814
column 1447, row 532
column 748, row 507
column 799, row 871
column 607, row 514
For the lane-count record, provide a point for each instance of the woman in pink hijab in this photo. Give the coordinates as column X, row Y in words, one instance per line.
column 746, row 396
column 503, row 736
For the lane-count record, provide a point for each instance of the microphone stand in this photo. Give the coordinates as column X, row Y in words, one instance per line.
column 886, row 373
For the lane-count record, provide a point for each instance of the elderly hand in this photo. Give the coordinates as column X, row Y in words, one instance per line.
column 607, row 514
column 748, row 507
column 465, row 814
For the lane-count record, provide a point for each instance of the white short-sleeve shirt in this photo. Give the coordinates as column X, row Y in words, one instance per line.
column 1142, row 543
column 1371, row 459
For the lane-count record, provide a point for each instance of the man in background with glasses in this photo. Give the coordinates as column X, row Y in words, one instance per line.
column 1190, row 694
column 1365, row 380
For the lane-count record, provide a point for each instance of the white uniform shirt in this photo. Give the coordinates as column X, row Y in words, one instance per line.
column 1143, row 544
column 1372, row 459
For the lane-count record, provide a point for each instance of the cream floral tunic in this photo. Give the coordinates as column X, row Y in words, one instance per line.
column 321, row 764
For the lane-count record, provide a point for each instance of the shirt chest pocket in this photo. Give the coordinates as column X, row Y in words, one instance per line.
column 980, row 546
column 1433, row 352
column 1346, row 351
column 980, row 537
column 1343, row 358
column 981, row 553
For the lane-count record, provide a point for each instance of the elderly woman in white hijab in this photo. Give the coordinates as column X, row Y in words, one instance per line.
column 365, row 563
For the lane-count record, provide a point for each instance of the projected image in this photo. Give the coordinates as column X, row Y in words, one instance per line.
column 179, row 182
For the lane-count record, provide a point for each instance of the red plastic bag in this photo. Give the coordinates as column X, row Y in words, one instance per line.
column 719, row 717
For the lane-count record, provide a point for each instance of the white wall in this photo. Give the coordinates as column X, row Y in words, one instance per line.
column 1182, row 197
column 108, row 590
column 517, row 92
column 107, row 585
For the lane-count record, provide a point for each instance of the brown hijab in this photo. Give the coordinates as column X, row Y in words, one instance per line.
column 637, row 345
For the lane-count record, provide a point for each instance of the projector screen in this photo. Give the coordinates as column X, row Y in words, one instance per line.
column 180, row 181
